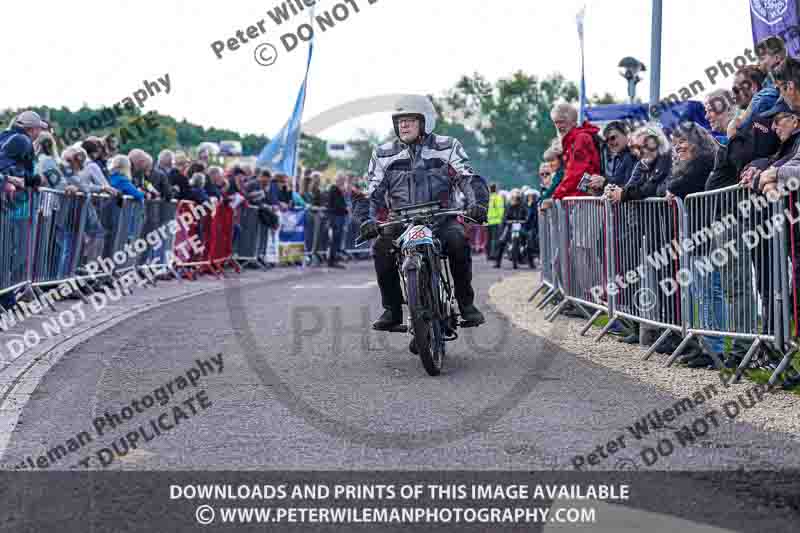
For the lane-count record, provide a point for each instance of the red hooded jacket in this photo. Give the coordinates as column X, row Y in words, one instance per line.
column 580, row 157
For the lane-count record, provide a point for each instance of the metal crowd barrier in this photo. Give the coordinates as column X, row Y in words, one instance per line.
column 129, row 226
column 720, row 264
column 582, row 229
column 351, row 231
column 316, row 237
column 250, row 245
column 157, row 215
column 732, row 270
column 640, row 254
column 18, row 219
column 544, row 255
column 48, row 237
column 59, row 237
column 549, row 233
column 790, row 245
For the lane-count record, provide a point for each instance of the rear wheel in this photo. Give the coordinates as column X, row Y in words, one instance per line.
column 423, row 321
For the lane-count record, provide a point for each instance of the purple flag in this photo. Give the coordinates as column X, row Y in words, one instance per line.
column 776, row 17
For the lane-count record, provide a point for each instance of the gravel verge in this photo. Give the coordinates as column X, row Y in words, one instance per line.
column 779, row 410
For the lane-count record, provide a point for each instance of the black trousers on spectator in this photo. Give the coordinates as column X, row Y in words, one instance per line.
column 491, row 245
column 337, row 225
column 452, row 235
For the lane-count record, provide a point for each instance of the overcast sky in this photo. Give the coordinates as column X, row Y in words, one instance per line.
column 66, row 53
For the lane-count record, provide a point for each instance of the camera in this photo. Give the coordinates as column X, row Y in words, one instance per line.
column 583, row 185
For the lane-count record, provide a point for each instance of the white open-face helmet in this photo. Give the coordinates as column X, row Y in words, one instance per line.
column 415, row 105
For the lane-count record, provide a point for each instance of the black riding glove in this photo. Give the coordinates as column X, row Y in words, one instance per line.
column 478, row 213
column 368, row 230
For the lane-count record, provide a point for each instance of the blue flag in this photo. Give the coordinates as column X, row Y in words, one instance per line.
column 281, row 153
column 776, row 17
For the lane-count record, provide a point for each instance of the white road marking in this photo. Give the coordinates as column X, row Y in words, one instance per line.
column 367, row 285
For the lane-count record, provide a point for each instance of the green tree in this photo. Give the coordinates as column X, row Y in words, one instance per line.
column 169, row 133
column 363, row 145
column 606, row 99
column 505, row 126
column 314, row 152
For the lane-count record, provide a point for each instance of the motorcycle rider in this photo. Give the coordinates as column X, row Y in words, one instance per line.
column 415, row 168
column 516, row 212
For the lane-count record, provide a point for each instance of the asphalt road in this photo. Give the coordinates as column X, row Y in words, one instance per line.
column 306, row 385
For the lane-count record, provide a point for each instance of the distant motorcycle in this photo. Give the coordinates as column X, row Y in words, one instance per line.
column 517, row 246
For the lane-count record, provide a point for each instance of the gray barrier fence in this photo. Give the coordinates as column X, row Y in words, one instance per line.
column 48, row 237
column 548, row 249
column 711, row 267
column 251, row 239
column 18, row 219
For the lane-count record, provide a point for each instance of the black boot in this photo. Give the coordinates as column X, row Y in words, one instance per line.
column 471, row 314
column 389, row 320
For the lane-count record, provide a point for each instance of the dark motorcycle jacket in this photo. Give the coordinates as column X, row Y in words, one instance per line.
column 431, row 170
column 515, row 212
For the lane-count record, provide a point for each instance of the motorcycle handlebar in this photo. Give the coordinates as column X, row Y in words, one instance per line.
column 406, row 220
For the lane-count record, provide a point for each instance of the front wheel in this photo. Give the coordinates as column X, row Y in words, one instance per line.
column 515, row 253
column 423, row 320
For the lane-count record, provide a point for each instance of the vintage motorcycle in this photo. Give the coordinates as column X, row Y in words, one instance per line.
column 517, row 246
column 427, row 283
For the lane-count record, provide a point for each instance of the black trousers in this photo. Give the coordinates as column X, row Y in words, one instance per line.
column 337, row 224
column 491, row 246
column 504, row 237
column 451, row 234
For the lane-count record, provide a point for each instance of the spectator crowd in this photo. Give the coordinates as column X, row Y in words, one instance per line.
column 31, row 158
column 752, row 138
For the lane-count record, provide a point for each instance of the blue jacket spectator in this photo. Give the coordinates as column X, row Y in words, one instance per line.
column 197, row 191
column 780, row 106
column 120, row 178
column 17, row 156
column 719, row 108
column 618, row 161
column 752, row 95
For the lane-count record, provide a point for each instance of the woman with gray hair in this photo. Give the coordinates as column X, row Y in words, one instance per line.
column 120, row 178
column 651, row 174
column 76, row 174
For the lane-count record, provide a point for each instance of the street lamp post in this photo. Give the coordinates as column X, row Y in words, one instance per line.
column 630, row 69
column 655, row 54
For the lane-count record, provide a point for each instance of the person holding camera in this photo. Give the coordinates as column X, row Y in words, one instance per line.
column 579, row 153
column 617, row 157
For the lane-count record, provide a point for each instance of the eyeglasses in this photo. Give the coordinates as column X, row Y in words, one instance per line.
column 613, row 138
column 647, row 147
column 650, row 148
column 407, row 121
